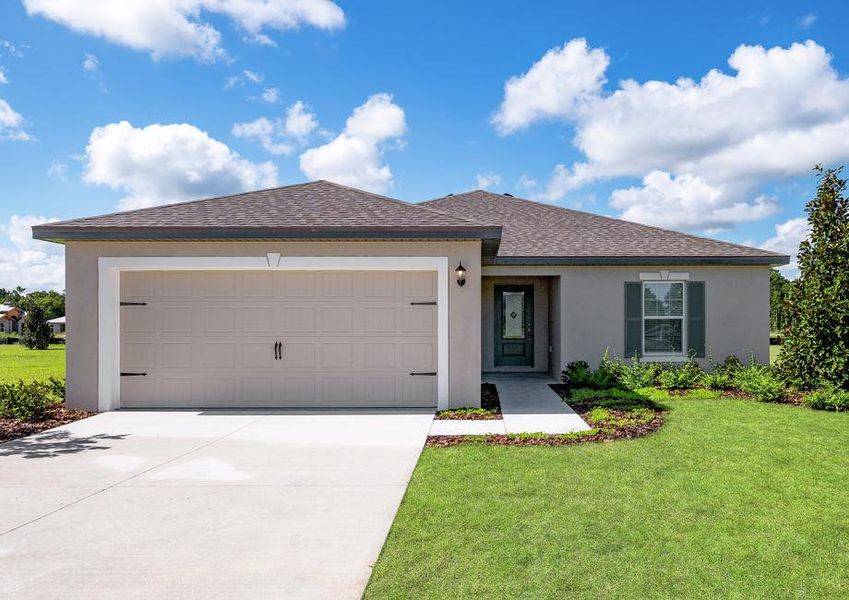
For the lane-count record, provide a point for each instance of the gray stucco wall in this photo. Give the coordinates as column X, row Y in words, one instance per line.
column 592, row 315
column 81, row 283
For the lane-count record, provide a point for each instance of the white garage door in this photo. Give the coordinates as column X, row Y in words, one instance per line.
column 278, row 339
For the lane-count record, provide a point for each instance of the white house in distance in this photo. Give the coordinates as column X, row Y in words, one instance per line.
column 57, row 324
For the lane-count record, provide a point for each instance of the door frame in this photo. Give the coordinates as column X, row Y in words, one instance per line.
column 109, row 269
column 498, row 317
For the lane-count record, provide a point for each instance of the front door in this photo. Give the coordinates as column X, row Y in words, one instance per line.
column 514, row 326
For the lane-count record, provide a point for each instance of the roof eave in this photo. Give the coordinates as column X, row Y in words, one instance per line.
column 775, row 260
column 60, row 234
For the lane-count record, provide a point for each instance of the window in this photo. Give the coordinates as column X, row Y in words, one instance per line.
column 663, row 317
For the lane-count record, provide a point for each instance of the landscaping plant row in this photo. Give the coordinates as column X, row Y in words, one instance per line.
column 30, row 407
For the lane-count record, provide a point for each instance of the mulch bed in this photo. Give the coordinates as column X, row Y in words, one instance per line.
column 11, row 429
column 569, row 439
column 489, row 402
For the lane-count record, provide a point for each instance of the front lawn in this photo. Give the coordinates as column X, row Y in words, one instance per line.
column 18, row 362
column 731, row 498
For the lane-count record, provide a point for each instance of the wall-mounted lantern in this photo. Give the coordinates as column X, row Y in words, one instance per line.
column 461, row 275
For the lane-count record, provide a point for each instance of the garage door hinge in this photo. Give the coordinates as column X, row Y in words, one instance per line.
column 424, row 374
column 133, row 303
column 423, row 303
column 133, row 374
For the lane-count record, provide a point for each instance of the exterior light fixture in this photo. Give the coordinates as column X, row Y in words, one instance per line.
column 461, row 275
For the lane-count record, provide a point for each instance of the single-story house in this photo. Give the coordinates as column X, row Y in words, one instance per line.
column 57, row 324
column 11, row 319
column 321, row 295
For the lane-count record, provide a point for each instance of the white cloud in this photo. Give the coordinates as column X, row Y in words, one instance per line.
column 58, row 170
column 264, row 131
column 246, row 76
column 176, row 28
column 11, row 123
column 300, row 121
column 807, row 21
column 270, row 95
column 33, row 264
column 686, row 202
column 354, row 156
column 553, row 87
column 3, row 78
column 90, row 63
column 487, row 180
column 280, row 136
column 788, row 236
column 160, row 164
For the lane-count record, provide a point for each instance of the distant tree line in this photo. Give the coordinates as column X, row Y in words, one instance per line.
column 51, row 303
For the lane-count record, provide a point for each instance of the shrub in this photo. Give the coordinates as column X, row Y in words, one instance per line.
column 577, row 374
column 828, row 399
column 640, row 374
column 721, row 376
column 585, row 398
column 37, row 332
column 33, row 401
column 759, row 382
column 732, row 364
column 681, row 377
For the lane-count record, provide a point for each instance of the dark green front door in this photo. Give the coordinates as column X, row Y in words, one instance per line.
column 514, row 326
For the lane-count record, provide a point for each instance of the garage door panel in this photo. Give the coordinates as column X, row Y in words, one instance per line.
column 349, row 339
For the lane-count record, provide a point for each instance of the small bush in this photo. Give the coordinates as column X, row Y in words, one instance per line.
column 585, row 398
column 732, row 364
column 828, row 399
column 577, row 374
column 640, row 374
column 759, row 382
column 718, row 380
column 681, row 377
column 33, row 401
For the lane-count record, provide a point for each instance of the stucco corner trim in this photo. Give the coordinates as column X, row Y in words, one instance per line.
column 109, row 298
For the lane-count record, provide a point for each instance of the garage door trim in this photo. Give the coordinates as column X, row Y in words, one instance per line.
column 109, row 291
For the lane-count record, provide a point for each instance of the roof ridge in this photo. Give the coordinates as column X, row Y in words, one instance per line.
column 506, row 198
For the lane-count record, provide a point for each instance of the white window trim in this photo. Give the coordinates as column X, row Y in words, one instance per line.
column 109, row 298
column 664, row 356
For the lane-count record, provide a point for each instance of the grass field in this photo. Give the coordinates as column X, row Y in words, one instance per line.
column 17, row 362
column 731, row 499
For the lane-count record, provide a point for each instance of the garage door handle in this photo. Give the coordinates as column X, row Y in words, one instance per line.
column 133, row 374
column 278, row 350
column 423, row 374
column 422, row 303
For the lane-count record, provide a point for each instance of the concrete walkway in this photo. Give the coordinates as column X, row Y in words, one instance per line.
column 529, row 405
column 205, row 505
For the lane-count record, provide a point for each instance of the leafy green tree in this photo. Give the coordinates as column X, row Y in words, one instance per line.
column 816, row 346
column 779, row 289
column 37, row 332
column 51, row 302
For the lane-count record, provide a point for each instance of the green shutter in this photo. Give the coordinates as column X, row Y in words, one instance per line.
column 633, row 318
column 696, row 318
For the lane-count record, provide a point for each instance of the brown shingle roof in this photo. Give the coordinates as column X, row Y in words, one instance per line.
column 314, row 208
column 551, row 234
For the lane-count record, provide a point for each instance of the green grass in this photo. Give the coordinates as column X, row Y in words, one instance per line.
column 731, row 499
column 17, row 362
column 774, row 351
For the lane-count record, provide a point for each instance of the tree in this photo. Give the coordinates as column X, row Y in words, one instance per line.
column 779, row 289
column 51, row 302
column 37, row 332
column 816, row 346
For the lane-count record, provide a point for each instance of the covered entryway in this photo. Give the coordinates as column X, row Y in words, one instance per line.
column 278, row 338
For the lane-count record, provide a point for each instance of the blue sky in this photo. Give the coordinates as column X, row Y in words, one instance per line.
column 729, row 157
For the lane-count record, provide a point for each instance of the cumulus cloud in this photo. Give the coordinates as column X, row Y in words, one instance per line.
column 487, row 180
column 776, row 113
column 553, row 87
column 270, row 95
column 178, row 29
column 788, row 236
column 354, row 157
column 280, row 136
column 3, row 78
column 160, row 164
column 24, row 261
column 11, row 123
column 687, row 202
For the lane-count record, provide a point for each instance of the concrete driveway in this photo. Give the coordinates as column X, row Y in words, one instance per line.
column 204, row 504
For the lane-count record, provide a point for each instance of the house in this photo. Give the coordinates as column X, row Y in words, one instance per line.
column 321, row 295
column 11, row 319
column 57, row 324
